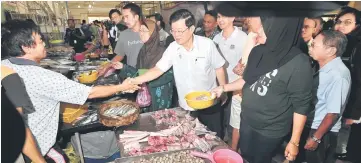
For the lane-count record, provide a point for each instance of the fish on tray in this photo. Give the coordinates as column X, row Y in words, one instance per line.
column 90, row 118
column 120, row 111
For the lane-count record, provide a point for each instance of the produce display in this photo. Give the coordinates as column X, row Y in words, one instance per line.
column 60, row 51
column 167, row 116
column 183, row 133
column 178, row 157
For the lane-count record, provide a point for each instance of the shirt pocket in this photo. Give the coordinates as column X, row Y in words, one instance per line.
column 201, row 65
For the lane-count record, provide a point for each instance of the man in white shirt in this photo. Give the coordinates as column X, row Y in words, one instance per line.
column 309, row 28
column 197, row 66
column 231, row 42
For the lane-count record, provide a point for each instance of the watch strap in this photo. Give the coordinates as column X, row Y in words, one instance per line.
column 315, row 139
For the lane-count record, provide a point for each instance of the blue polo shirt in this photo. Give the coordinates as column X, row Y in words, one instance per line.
column 332, row 89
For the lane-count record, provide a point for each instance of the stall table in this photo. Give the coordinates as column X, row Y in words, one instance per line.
column 147, row 123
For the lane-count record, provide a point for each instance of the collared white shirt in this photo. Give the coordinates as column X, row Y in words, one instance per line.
column 111, row 33
column 232, row 49
column 46, row 90
column 194, row 70
column 309, row 43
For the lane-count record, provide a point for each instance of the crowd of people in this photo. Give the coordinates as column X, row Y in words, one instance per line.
column 281, row 79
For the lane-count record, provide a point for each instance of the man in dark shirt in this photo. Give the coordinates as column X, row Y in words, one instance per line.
column 75, row 37
column 210, row 28
column 115, row 28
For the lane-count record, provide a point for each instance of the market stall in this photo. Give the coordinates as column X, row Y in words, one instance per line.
column 162, row 135
column 169, row 135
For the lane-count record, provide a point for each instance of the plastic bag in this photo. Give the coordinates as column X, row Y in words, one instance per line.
column 144, row 98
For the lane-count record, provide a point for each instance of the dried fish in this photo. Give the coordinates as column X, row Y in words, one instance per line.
column 121, row 111
column 86, row 120
column 181, row 157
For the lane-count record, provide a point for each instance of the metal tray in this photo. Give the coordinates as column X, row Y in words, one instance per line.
column 90, row 65
column 147, row 123
column 113, row 79
column 147, row 157
column 160, row 154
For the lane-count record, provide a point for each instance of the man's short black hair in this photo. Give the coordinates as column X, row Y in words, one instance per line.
column 96, row 21
column 83, row 21
column 30, row 20
column 112, row 11
column 335, row 39
column 320, row 20
column 16, row 34
column 71, row 20
column 227, row 10
column 212, row 13
column 135, row 9
column 183, row 14
column 157, row 16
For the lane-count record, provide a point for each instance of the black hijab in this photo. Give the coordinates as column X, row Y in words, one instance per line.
column 283, row 38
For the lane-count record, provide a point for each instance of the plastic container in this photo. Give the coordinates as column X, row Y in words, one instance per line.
column 199, row 104
column 88, row 77
column 79, row 57
column 220, row 156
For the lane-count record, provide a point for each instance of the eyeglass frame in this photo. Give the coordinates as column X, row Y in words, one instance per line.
column 308, row 27
column 344, row 22
column 181, row 32
column 312, row 45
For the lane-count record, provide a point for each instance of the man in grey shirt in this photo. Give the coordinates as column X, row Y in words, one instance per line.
column 129, row 42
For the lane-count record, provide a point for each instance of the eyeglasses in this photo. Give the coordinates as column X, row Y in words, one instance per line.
column 346, row 22
column 178, row 32
column 307, row 27
column 313, row 45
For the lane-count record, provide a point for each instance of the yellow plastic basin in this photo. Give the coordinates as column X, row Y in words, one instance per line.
column 88, row 77
column 199, row 104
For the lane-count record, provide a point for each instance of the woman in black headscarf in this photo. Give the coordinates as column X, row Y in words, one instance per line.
column 276, row 89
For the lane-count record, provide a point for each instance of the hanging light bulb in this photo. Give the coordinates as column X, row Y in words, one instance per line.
column 78, row 6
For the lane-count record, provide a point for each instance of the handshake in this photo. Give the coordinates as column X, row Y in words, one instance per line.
column 129, row 85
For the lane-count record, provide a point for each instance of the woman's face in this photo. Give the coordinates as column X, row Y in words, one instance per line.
column 144, row 33
column 346, row 23
column 255, row 25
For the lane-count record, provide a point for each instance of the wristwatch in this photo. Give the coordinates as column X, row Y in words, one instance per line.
column 315, row 139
